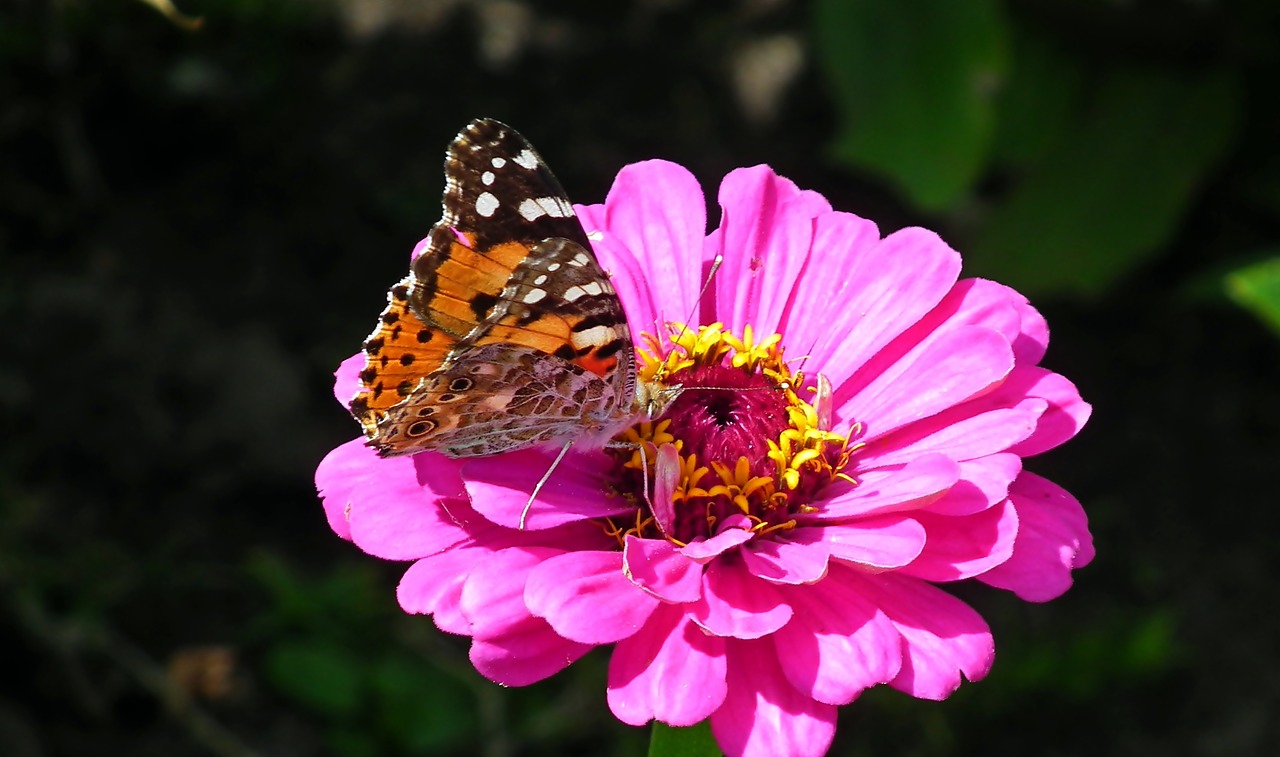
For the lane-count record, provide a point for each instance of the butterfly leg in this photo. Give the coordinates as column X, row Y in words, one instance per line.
column 542, row 481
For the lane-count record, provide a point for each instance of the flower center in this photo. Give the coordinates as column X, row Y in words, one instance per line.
column 747, row 443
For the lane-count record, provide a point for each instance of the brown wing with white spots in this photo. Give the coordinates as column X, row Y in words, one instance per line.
column 507, row 286
column 500, row 200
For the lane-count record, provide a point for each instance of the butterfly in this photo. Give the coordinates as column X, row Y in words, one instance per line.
column 506, row 334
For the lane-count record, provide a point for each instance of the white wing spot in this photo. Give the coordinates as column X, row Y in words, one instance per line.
column 593, row 288
column 556, row 207
column 596, row 335
column 487, row 178
column 486, row 204
column 498, row 162
column 526, row 159
column 534, row 295
column 579, row 260
column 530, row 210
column 542, row 279
column 553, row 267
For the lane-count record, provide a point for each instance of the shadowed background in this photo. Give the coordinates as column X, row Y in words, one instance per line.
column 198, row 224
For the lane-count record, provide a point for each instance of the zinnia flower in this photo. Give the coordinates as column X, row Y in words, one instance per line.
column 800, row 510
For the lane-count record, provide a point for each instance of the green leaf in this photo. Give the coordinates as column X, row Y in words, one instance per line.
column 1112, row 192
column 916, row 82
column 1256, row 288
column 321, row 676
column 1037, row 106
column 696, row 741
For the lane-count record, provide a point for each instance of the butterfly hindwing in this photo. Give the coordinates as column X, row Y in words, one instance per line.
column 527, row 370
column 399, row 352
column 501, row 397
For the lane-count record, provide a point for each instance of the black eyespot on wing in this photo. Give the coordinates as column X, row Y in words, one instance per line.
column 481, row 304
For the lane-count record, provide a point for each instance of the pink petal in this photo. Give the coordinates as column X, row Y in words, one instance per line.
column 660, row 568
column 943, row 372
column 783, row 560
column 736, row 603
column 493, row 595
column 1033, row 338
column 420, row 248
column 838, row 643
column 983, row 483
column 338, row 474
column 443, row 477
column 592, row 217
column 704, row 550
column 346, row 380
column 974, row 302
column 511, row 646
column 639, row 295
column 880, row 543
column 964, row 546
column 1065, row 415
column 839, row 240
column 887, row 288
column 763, row 714
column 658, row 211
column 915, row 485
column 524, row 653
column 585, row 597
column 500, row 487
column 433, row 586
column 396, row 517
column 1053, row 539
column 765, row 232
column 1041, row 410
column 957, row 433
column 943, row 636
column 669, row 671
column 971, row 302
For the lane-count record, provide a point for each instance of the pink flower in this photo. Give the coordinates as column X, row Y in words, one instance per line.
column 800, row 511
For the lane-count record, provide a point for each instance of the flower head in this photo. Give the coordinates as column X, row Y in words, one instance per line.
column 850, row 434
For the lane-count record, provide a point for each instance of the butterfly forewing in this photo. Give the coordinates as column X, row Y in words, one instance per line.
column 500, row 199
column 507, row 333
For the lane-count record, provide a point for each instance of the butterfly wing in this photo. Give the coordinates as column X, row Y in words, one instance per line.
column 530, row 373
column 500, row 200
column 507, row 273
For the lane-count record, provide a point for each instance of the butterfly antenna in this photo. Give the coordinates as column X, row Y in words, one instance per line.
column 524, row 514
column 716, row 262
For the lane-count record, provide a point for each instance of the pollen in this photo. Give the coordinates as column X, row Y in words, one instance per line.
column 751, row 434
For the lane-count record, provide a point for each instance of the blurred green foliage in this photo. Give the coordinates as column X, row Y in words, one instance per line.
column 1257, row 288
column 1098, row 159
column 374, row 698
column 916, row 83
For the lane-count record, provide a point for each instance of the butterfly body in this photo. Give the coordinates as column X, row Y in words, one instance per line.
column 506, row 334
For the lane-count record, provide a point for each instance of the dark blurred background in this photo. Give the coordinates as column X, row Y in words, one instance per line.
column 198, row 224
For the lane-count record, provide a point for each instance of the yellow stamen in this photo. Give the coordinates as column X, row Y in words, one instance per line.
column 803, row 458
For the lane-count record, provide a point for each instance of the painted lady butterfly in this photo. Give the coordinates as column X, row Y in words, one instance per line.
column 506, row 334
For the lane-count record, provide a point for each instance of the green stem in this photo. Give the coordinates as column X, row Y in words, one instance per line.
column 697, row 741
